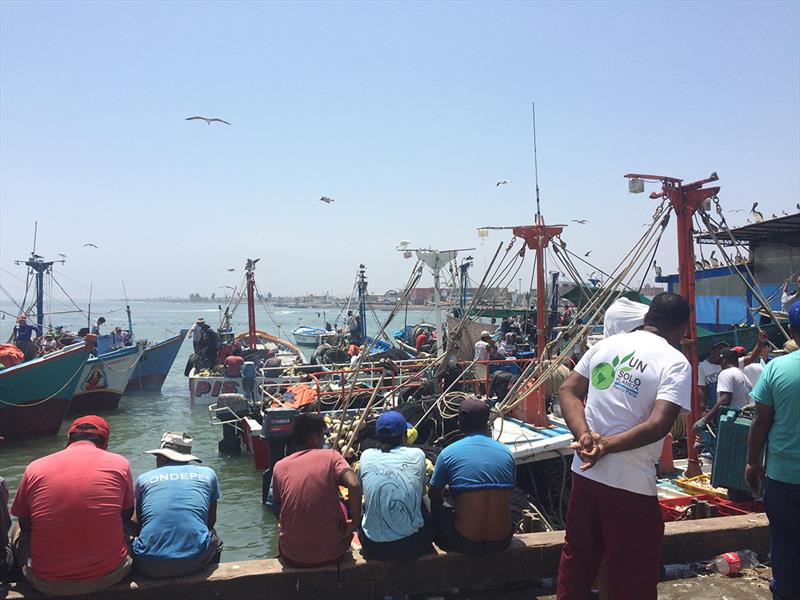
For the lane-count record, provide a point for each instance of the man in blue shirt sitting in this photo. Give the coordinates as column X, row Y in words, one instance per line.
column 480, row 474
column 176, row 506
column 393, row 479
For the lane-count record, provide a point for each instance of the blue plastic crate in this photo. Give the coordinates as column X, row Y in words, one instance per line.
column 730, row 456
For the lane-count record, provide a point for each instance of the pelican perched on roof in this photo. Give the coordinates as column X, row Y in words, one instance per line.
column 757, row 216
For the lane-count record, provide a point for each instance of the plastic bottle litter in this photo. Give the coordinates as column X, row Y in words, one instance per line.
column 732, row 563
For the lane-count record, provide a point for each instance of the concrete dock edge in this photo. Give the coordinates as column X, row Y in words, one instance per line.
column 530, row 558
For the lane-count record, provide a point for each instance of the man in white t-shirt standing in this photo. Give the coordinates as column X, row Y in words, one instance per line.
column 483, row 351
column 707, row 373
column 733, row 389
column 634, row 385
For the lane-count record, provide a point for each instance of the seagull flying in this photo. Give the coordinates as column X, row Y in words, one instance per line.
column 580, row 221
column 231, row 270
column 588, row 253
column 499, row 183
column 735, row 210
column 326, row 200
column 757, row 216
column 62, row 255
column 90, row 245
column 208, row 120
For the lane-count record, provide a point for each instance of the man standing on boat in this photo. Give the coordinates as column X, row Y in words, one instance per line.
column 23, row 332
column 634, row 386
column 98, row 325
column 71, row 507
column 777, row 396
column 314, row 527
column 787, row 299
column 176, row 506
column 483, row 352
column 196, row 333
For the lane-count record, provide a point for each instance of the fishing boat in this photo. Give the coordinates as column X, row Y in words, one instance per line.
column 269, row 359
column 305, row 335
column 154, row 365
column 35, row 395
column 104, row 379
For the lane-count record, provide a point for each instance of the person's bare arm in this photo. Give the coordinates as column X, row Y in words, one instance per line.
column 350, row 480
column 756, row 440
column 723, row 399
column 571, row 397
column 755, row 353
column 653, row 429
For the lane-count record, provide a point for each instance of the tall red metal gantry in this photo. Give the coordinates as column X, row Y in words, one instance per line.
column 685, row 200
column 537, row 237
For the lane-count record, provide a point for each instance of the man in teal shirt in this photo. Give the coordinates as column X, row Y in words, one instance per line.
column 777, row 396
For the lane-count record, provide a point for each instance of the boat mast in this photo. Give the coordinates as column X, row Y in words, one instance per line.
column 250, row 268
column 40, row 267
column 362, row 303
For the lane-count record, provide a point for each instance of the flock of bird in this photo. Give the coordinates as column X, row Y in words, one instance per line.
column 755, row 215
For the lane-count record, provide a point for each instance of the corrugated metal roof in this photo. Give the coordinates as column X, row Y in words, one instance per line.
column 783, row 230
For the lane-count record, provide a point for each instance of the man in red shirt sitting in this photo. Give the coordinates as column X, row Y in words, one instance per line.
column 421, row 340
column 233, row 363
column 71, row 507
column 314, row 528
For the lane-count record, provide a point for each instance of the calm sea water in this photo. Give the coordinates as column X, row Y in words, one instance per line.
column 247, row 528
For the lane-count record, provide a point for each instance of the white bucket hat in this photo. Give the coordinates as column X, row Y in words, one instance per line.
column 176, row 447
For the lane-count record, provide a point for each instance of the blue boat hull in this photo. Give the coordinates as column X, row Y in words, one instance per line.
column 154, row 365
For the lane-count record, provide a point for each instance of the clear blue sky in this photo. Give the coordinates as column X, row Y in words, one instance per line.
column 405, row 113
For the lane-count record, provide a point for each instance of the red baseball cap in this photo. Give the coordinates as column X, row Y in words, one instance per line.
column 91, row 424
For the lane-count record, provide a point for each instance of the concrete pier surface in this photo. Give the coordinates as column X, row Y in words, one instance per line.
column 752, row 584
column 530, row 559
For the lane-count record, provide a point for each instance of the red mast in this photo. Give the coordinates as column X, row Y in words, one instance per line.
column 685, row 200
column 538, row 237
column 250, row 268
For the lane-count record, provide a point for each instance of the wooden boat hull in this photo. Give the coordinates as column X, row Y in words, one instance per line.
column 154, row 365
column 35, row 395
column 103, row 381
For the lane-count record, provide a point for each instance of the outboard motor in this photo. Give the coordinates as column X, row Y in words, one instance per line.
column 231, row 442
column 276, row 429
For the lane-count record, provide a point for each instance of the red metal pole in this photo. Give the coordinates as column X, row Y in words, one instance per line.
column 684, row 211
column 251, row 309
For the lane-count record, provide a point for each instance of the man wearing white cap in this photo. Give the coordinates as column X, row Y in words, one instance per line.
column 196, row 333
column 176, row 506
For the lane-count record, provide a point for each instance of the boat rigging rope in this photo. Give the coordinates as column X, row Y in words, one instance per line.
column 710, row 225
column 595, row 307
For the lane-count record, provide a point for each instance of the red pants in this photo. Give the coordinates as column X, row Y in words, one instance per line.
column 619, row 526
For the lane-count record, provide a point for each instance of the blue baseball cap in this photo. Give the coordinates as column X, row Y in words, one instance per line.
column 794, row 315
column 391, row 424
column 719, row 342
